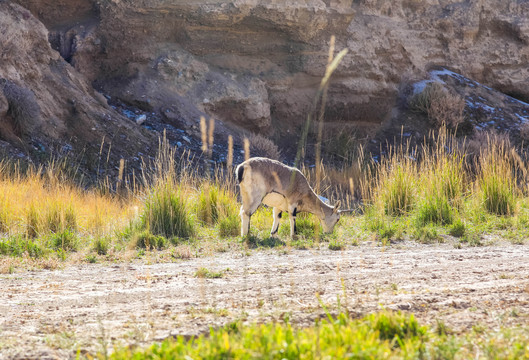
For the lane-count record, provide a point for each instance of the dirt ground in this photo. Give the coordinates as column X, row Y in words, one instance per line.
column 91, row 308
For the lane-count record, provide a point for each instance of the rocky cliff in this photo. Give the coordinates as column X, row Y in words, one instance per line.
column 255, row 64
column 47, row 108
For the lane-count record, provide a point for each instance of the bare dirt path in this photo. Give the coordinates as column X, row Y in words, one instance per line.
column 53, row 314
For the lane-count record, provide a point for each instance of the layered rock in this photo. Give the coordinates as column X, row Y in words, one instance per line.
column 256, row 64
column 45, row 103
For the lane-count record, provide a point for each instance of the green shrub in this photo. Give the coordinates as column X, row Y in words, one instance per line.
column 18, row 245
column 66, row 240
column 229, row 226
column 102, row 245
column 458, row 228
column 166, row 213
column 146, row 240
column 434, row 209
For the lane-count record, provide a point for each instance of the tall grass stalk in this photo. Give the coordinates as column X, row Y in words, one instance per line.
column 391, row 185
column 166, row 212
column 497, row 179
column 442, row 179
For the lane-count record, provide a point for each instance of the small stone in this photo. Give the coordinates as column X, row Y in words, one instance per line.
column 185, row 138
column 179, row 144
column 141, row 119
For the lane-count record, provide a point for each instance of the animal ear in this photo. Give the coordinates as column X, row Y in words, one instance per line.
column 336, row 207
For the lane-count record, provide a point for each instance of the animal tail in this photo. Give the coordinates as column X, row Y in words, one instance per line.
column 240, row 172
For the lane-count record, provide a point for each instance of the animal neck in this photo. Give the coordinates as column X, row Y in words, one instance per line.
column 318, row 207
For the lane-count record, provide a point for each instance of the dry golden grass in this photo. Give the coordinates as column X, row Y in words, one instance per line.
column 440, row 105
column 37, row 202
column 262, row 146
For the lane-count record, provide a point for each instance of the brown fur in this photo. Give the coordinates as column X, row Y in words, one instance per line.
column 283, row 187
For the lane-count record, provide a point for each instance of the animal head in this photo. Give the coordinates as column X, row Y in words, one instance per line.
column 331, row 218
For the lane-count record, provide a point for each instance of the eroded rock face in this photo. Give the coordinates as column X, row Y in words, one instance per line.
column 257, row 63
column 45, row 101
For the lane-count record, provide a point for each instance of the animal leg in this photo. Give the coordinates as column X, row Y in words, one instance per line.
column 277, row 217
column 292, row 211
column 247, row 210
column 245, row 222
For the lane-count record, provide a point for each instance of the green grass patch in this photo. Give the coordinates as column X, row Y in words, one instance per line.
column 397, row 190
column 306, row 226
column 66, row 240
column 385, row 335
column 266, row 242
column 208, row 274
column 458, row 228
column 229, row 226
column 166, row 212
column 18, row 245
column 145, row 240
column 102, row 245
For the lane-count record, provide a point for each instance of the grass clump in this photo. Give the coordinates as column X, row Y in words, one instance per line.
column 66, row 240
column 166, row 213
column 218, row 207
column 145, row 240
column 208, row 274
column 497, row 180
column 435, row 209
column 397, row 194
column 442, row 107
column 427, row 234
column 102, row 245
column 457, row 229
column 390, row 185
column 336, row 245
column 306, row 225
column 17, row 246
column 384, row 227
column 229, row 226
column 442, row 181
column 59, row 217
column 208, row 204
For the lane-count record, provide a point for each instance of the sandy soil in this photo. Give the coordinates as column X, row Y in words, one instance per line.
column 90, row 308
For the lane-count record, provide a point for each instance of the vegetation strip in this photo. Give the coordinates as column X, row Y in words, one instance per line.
column 386, row 335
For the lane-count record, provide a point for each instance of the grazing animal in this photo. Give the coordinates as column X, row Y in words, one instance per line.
column 283, row 188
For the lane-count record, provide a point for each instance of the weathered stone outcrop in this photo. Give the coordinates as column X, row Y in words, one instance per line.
column 256, row 64
column 45, row 103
